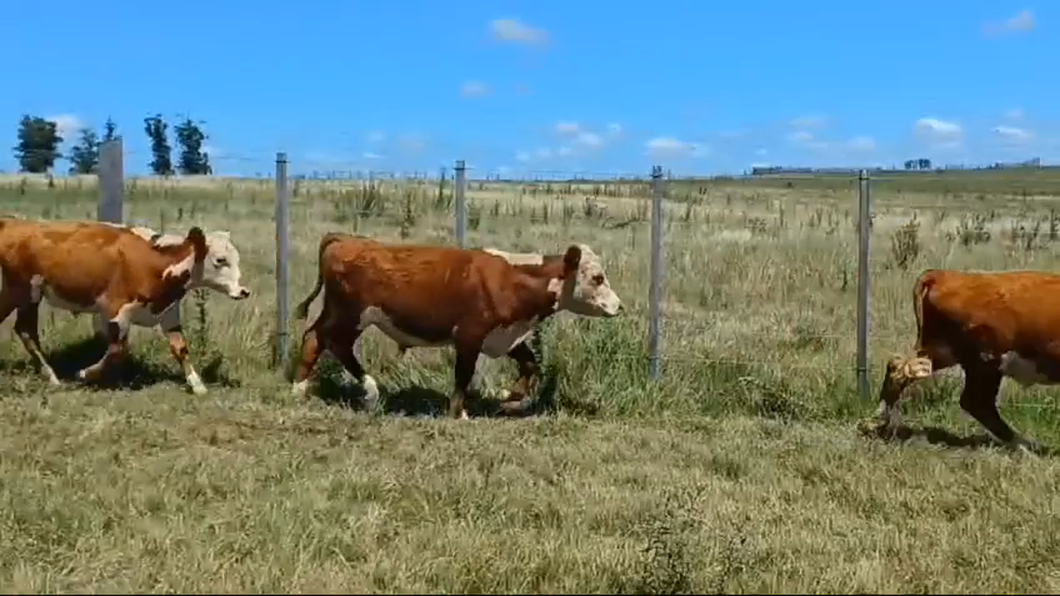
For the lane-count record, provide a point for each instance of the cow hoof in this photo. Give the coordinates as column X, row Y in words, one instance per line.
column 199, row 390
column 299, row 389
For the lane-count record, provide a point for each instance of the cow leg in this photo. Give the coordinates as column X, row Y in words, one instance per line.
column 979, row 399
column 466, row 357
column 341, row 346
column 529, row 372
column 312, row 347
column 118, row 323
column 27, row 328
column 169, row 324
column 26, row 322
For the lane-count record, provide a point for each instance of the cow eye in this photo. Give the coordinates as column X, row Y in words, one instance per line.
column 598, row 279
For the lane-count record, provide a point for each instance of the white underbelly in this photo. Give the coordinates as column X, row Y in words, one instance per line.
column 498, row 343
column 140, row 315
column 1022, row 370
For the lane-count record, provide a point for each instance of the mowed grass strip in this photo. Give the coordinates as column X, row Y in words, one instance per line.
column 158, row 491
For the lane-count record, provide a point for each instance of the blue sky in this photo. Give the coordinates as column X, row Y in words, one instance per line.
column 607, row 87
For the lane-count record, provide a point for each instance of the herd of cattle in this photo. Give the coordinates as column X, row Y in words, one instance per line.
column 480, row 301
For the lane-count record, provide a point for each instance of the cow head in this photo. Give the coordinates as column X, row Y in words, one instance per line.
column 585, row 290
column 215, row 263
column 218, row 269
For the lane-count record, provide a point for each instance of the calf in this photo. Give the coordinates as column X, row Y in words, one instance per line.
column 991, row 324
column 534, row 263
column 114, row 272
column 436, row 296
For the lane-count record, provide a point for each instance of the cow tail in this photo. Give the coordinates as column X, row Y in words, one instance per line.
column 920, row 289
column 302, row 310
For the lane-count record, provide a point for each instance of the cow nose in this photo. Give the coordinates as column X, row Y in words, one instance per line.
column 244, row 293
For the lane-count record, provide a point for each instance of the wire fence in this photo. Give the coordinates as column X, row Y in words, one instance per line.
column 660, row 215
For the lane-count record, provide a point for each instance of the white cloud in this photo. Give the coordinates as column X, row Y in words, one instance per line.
column 761, row 152
column 371, row 155
column 514, row 31
column 1014, row 114
column 672, row 147
column 862, row 143
column 567, row 128
column 376, row 136
column 472, row 89
column 1023, row 21
column 800, row 136
column 808, row 122
column 1014, row 135
column 67, row 124
column 939, row 133
column 590, row 140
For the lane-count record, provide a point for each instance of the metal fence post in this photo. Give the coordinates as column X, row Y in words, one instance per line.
column 282, row 247
column 111, row 182
column 655, row 288
column 459, row 188
column 864, row 232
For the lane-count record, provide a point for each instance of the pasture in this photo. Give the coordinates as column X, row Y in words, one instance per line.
column 740, row 470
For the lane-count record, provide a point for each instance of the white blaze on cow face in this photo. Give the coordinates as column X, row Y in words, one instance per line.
column 220, row 269
column 588, row 293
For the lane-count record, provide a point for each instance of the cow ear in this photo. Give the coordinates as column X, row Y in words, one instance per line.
column 572, row 258
column 198, row 243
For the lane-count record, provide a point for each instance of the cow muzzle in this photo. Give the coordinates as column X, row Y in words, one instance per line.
column 240, row 294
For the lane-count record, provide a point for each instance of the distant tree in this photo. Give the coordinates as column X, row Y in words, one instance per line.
column 910, row 164
column 84, row 156
column 109, row 130
column 924, row 164
column 190, row 137
column 38, row 144
column 162, row 161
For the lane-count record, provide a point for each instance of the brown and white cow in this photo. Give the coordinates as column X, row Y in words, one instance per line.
column 992, row 324
column 114, row 272
column 433, row 296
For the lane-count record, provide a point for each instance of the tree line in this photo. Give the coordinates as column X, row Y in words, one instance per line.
column 39, row 140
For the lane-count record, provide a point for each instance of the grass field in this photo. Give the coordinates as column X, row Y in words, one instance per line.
column 741, row 470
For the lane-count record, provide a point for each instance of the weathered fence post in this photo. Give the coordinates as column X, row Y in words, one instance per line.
column 111, row 182
column 282, row 212
column 864, row 231
column 655, row 287
column 459, row 195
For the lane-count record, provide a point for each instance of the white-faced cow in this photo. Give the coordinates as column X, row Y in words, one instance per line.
column 992, row 325
column 122, row 275
column 431, row 296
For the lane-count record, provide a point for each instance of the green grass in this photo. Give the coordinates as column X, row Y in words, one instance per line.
column 741, row 470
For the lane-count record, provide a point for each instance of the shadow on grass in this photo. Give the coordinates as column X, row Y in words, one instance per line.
column 938, row 436
column 133, row 373
column 424, row 401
